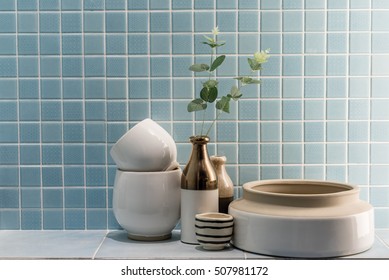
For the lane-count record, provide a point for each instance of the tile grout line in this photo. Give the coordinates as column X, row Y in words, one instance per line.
column 62, row 126
column 18, row 119
column 347, row 117
column 325, row 101
column 84, row 145
column 303, row 174
column 192, row 75
column 382, row 240
column 100, row 245
column 369, row 164
column 280, row 102
column 106, row 156
column 171, row 102
column 237, row 173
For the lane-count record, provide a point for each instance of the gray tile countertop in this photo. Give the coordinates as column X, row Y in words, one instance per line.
column 101, row 244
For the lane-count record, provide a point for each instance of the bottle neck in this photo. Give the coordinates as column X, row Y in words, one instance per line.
column 199, row 147
column 199, row 173
column 199, row 139
column 219, row 162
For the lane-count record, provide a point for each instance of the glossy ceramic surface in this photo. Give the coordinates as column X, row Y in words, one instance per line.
column 145, row 147
column 224, row 183
column 147, row 204
column 199, row 192
column 214, row 230
column 302, row 218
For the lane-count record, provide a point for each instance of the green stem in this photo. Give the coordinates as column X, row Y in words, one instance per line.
column 209, row 78
column 218, row 115
column 210, row 73
column 214, row 121
column 202, row 124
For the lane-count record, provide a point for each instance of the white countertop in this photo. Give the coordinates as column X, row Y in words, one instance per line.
column 102, row 244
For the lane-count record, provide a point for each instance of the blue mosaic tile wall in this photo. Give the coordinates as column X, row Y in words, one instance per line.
column 75, row 75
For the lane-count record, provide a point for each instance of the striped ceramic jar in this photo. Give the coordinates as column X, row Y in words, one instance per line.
column 214, row 230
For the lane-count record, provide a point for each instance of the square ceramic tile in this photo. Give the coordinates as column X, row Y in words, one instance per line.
column 159, row 4
column 8, row 23
column 336, row 65
column 52, row 244
column 9, row 88
column 71, row 5
column 27, row 23
column 49, row 5
column 115, row 22
column 160, row 22
column 8, row 5
column 292, row 21
column 93, row 22
column 378, row 129
column 71, row 22
column 93, row 5
column 378, row 20
column 25, row 5
column 248, row 21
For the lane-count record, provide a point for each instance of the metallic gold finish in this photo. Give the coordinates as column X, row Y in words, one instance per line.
column 199, row 173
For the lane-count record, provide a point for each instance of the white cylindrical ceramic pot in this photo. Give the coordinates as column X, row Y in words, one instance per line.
column 147, row 204
column 214, row 230
column 302, row 218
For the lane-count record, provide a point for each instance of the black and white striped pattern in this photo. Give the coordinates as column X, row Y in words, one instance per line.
column 214, row 232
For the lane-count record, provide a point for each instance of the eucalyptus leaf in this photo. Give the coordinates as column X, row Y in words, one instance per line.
column 214, row 44
column 254, row 65
column 235, row 93
column 247, row 80
column 209, row 94
column 209, row 38
column 218, row 61
column 210, row 83
column 224, row 104
column 199, row 67
column 212, row 94
column 254, row 81
column 204, row 94
column 197, row 105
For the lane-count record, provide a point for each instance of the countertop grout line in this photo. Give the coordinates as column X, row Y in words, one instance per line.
column 99, row 246
column 382, row 240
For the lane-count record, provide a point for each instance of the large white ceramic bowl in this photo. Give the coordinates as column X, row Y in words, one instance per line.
column 147, row 204
column 302, row 218
column 145, row 147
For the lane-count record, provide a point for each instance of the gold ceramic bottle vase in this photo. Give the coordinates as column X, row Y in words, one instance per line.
column 224, row 183
column 199, row 193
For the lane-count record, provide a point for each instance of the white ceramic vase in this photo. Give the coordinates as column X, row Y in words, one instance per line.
column 147, row 204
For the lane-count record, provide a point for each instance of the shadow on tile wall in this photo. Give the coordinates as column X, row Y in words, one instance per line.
column 75, row 75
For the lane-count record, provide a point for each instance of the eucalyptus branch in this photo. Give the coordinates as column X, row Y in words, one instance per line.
column 209, row 92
